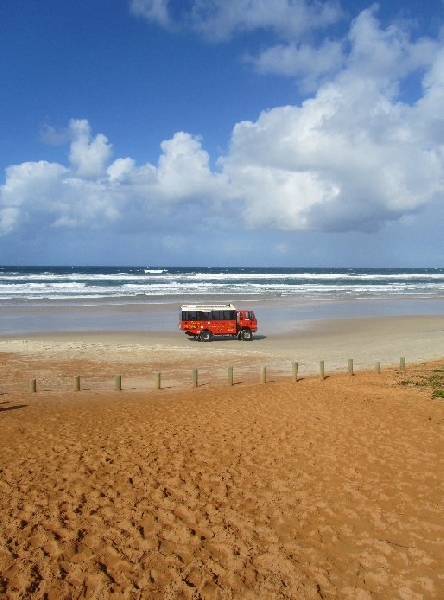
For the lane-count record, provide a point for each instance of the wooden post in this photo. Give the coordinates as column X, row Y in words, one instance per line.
column 321, row 370
column 157, row 380
column 294, row 368
column 402, row 364
column 230, row 376
column 350, row 366
column 195, row 378
column 263, row 374
column 77, row 383
column 378, row 367
column 32, row 385
column 118, row 383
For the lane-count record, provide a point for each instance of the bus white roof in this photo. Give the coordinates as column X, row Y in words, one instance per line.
column 206, row 307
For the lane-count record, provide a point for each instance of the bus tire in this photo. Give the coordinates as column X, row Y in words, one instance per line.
column 247, row 335
column 206, row 336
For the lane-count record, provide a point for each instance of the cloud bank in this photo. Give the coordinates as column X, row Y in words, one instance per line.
column 354, row 155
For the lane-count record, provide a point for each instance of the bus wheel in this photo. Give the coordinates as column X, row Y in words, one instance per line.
column 247, row 335
column 206, row 336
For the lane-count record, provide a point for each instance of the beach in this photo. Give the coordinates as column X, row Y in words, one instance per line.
column 275, row 488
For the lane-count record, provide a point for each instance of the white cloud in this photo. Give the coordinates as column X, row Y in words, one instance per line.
column 345, row 160
column 368, row 49
column 121, row 169
column 218, row 20
column 310, row 65
column 351, row 158
column 9, row 217
column 88, row 156
column 93, row 194
column 184, row 169
column 386, row 53
column 354, row 156
column 152, row 10
column 31, row 188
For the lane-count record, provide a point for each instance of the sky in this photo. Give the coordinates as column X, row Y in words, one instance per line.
column 291, row 133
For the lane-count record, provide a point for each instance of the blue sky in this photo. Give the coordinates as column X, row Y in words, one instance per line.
column 222, row 132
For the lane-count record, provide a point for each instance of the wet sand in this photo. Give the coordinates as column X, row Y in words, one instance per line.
column 307, row 489
column 137, row 355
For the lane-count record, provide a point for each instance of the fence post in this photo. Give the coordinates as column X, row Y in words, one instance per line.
column 378, row 367
column 350, row 366
column 32, row 385
column 157, row 378
column 77, row 383
column 294, row 369
column 195, row 378
column 230, row 376
column 263, row 374
column 118, row 383
column 402, row 364
column 321, row 370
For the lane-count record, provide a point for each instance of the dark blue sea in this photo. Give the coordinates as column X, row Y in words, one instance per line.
column 42, row 299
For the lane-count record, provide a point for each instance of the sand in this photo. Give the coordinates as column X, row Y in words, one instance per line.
column 311, row 489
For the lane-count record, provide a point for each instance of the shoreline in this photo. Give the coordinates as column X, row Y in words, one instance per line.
column 275, row 315
column 365, row 340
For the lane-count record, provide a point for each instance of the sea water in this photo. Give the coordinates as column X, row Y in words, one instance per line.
column 95, row 298
column 53, row 285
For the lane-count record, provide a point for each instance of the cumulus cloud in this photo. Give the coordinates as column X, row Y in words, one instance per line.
column 31, row 188
column 94, row 192
column 322, row 175
column 386, row 53
column 88, row 156
column 184, row 169
column 352, row 157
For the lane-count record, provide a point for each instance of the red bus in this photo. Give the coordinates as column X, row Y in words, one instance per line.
column 203, row 321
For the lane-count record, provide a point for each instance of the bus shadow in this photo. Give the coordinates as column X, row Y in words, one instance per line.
column 224, row 338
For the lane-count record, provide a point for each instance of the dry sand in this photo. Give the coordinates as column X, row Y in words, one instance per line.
column 309, row 489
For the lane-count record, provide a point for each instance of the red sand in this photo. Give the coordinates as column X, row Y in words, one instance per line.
column 315, row 489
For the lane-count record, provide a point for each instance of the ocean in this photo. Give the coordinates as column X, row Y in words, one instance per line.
column 55, row 285
column 94, row 295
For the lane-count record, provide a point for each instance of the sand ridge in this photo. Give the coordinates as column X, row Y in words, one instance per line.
column 313, row 489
